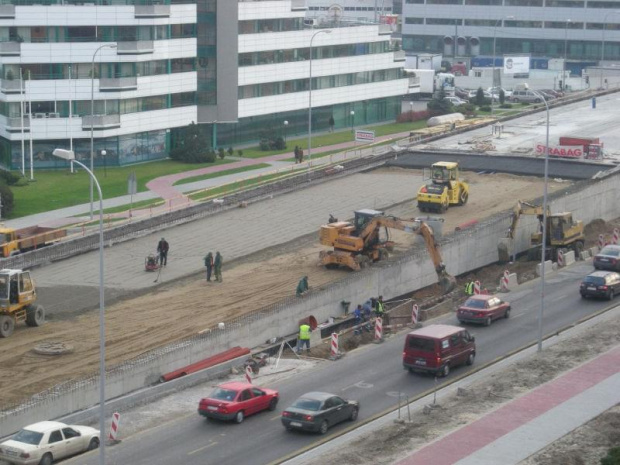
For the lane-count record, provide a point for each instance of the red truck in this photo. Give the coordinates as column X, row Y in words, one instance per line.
column 14, row 241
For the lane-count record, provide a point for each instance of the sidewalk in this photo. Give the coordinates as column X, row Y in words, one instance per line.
column 524, row 426
column 164, row 188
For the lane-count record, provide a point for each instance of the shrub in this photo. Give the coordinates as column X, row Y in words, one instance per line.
column 269, row 140
column 221, row 153
column 506, row 105
column 210, row 156
column 239, row 153
column 10, row 178
column 193, row 145
column 485, row 108
column 7, row 200
column 525, row 104
column 411, row 116
column 230, row 151
column 502, row 96
column 612, row 457
column 264, row 145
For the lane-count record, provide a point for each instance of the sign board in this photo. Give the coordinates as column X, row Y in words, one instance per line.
column 364, row 136
column 132, row 184
column 516, row 64
column 562, row 151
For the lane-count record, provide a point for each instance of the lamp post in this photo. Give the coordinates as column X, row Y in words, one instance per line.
column 103, row 154
column 70, row 156
column 494, row 58
column 92, row 121
column 544, row 230
column 565, row 55
column 285, row 128
column 603, row 43
column 326, row 31
column 352, row 113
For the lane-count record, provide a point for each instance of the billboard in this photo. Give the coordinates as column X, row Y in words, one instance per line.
column 516, row 64
column 562, row 151
column 364, row 136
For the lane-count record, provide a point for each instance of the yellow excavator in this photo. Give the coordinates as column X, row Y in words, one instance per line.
column 366, row 240
column 444, row 190
column 563, row 232
column 18, row 297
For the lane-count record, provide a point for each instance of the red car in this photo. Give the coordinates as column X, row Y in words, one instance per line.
column 236, row 400
column 483, row 309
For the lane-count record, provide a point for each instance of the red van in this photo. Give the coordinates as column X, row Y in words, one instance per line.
column 438, row 348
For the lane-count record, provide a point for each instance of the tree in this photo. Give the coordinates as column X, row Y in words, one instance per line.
column 193, row 145
column 221, row 153
column 230, row 151
column 479, row 97
column 612, row 457
column 439, row 105
column 502, row 96
column 239, row 153
column 7, row 200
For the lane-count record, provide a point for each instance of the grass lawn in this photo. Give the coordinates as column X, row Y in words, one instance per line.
column 222, row 173
column 54, row 189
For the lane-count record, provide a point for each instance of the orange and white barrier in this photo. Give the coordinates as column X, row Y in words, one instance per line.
column 477, row 289
column 378, row 329
column 601, row 241
column 616, row 236
column 505, row 281
column 334, row 350
column 414, row 314
column 248, row 374
column 116, row 419
column 561, row 261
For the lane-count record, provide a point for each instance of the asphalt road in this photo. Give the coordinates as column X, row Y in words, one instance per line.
column 373, row 375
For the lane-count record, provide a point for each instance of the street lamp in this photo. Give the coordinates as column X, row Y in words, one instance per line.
column 544, row 230
column 494, row 58
column 70, row 156
column 285, row 127
column 326, row 31
column 352, row 113
column 92, row 121
column 603, row 44
column 565, row 55
column 103, row 154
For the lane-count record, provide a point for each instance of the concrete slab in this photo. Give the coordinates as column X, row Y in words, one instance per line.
column 584, row 255
column 569, row 258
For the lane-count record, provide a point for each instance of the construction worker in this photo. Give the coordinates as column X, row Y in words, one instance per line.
column 302, row 287
column 357, row 313
column 380, row 310
column 304, row 337
column 209, row 265
column 162, row 250
column 218, row 267
column 469, row 288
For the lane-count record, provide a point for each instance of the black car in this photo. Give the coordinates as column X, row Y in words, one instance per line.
column 318, row 411
column 600, row 284
column 608, row 258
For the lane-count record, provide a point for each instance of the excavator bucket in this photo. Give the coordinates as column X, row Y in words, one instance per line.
column 447, row 283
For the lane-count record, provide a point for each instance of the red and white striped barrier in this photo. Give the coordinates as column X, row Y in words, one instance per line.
column 378, row 329
column 560, row 258
column 616, row 237
column 504, row 281
column 334, row 350
column 116, row 419
column 248, row 374
column 477, row 289
column 414, row 314
column 601, row 241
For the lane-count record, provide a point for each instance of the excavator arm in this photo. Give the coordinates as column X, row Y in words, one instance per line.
column 523, row 208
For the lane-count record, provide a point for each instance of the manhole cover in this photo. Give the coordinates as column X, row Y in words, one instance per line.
column 53, row 348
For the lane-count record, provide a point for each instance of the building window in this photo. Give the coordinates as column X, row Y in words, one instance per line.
column 565, row 3
column 444, row 21
column 523, row 2
column 444, row 2
column 410, row 20
column 528, row 24
column 414, row 2
column 605, row 5
column 483, row 2
column 481, row 22
column 600, row 26
column 563, row 25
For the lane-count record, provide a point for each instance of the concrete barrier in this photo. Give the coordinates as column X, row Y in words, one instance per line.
column 584, row 255
column 594, row 250
column 512, row 282
column 548, row 267
column 569, row 258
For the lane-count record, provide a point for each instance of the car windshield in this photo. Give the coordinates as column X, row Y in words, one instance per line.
column 593, row 280
column 223, row 394
column 610, row 252
column 28, row 437
column 307, row 404
column 475, row 303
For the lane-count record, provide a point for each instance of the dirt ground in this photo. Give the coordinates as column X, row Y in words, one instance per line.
column 584, row 446
column 181, row 309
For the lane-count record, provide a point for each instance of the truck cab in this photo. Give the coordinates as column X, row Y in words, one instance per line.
column 8, row 242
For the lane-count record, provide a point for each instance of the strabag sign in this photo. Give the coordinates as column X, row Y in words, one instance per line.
column 563, row 151
column 516, row 64
column 364, row 136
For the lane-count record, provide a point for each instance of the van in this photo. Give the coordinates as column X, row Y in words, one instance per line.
column 437, row 349
column 525, row 96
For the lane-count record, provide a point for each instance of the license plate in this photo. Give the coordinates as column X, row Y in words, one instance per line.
column 590, row 288
column 420, row 362
column 211, row 407
column 12, row 453
column 295, row 423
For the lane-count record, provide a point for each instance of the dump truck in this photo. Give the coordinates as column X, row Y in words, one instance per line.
column 18, row 296
column 563, row 232
column 366, row 240
column 445, row 188
column 15, row 241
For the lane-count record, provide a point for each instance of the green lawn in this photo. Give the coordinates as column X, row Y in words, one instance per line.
column 222, row 173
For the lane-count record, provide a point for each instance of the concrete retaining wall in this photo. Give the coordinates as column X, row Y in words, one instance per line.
column 462, row 252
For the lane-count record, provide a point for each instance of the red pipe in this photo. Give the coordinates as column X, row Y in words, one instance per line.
column 466, row 225
column 206, row 363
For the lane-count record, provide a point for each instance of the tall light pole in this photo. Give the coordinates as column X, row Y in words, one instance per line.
column 603, row 43
column 565, row 55
column 352, row 114
column 326, row 31
column 544, row 230
column 70, row 156
column 494, row 58
column 92, row 121
column 285, row 130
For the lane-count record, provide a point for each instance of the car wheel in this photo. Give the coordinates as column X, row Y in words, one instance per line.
column 487, row 321
column 470, row 359
column 445, row 371
column 324, row 427
column 273, row 404
column 461, row 322
column 354, row 413
column 583, row 296
column 7, row 325
column 239, row 416
column 507, row 314
column 46, row 460
column 93, row 444
column 610, row 295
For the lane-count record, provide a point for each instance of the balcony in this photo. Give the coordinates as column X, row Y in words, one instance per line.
column 15, row 124
column 399, row 55
column 414, row 82
column 10, row 49
column 100, row 122
column 7, row 11
column 118, row 84
column 152, row 11
column 12, row 86
column 138, row 47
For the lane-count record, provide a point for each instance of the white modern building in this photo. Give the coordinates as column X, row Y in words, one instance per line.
column 369, row 10
column 234, row 66
column 540, row 28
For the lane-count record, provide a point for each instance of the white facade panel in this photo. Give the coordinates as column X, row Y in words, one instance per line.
column 299, row 100
column 267, row 10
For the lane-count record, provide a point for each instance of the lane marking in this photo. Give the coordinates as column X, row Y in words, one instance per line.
column 359, row 384
column 202, row 448
column 277, row 417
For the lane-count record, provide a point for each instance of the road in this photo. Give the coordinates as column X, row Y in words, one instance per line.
column 373, row 375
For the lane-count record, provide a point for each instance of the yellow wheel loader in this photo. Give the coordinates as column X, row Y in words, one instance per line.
column 18, row 301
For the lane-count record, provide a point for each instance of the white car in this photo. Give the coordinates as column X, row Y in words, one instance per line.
column 495, row 92
column 47, row 441
column 456, row 101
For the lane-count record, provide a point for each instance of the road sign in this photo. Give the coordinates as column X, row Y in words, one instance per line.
column 364, row 136
column 132, row 184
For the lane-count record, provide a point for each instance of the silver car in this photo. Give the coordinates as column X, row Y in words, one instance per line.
column 525, row 96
